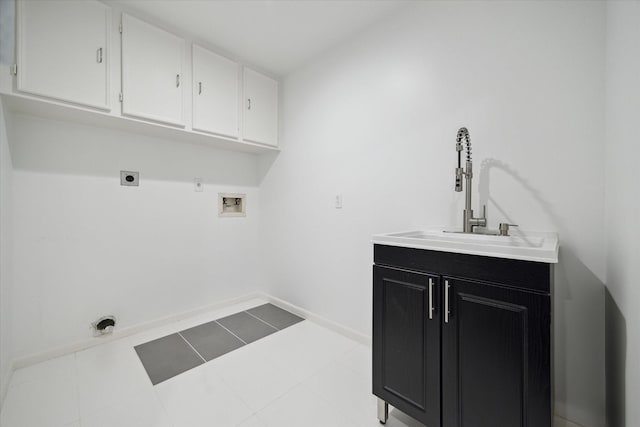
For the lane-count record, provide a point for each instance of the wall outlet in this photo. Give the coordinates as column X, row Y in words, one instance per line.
column 197, row 185
column 129, row 178
column 338, row 201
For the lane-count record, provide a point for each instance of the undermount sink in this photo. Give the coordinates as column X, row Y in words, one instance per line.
column 522, row 245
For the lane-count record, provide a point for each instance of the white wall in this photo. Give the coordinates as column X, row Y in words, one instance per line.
column 623, row 211
column 6, row 347
column 86, row 246
column 6, row 265
column 375, row 119
column 7, row 26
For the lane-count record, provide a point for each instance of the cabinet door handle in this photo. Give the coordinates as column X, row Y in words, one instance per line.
column 177, row 80
column 446, row 301
column 430, row 298
column 248, row 103
column 99, row 56
column 199, row 88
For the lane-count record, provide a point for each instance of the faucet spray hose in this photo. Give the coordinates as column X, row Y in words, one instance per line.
column 463, row 133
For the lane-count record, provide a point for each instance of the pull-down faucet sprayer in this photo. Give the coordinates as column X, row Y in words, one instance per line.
column 469, row 222
column 462, row 133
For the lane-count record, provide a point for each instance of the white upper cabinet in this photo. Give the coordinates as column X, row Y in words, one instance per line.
column 260, row 108
column 63, row 50
column 216, row 86
column 67, row 55
column 152, row 78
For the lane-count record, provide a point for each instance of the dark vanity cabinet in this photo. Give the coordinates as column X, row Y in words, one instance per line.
column 463, row 340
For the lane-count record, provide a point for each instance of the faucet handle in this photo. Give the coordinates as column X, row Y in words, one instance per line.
column 504, row 228
column 481, row 221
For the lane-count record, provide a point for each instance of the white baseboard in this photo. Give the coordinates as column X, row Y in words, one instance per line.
column 329, row 324
column 120, row 333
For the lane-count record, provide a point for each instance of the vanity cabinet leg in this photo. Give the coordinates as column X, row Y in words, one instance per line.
column 383, row 411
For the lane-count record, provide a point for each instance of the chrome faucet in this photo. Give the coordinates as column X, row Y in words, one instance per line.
column 469, row 222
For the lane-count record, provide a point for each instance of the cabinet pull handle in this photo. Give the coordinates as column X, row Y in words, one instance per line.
column 99, row 56
column 177, row 80
column 430, row 298
column 248, row 103
column 446, row 301
column 199, row 88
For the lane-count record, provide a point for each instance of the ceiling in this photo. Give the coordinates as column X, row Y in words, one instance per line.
column 276, row 36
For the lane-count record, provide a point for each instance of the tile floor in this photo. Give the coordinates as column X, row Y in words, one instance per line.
column 166, row 357
column 302, row 376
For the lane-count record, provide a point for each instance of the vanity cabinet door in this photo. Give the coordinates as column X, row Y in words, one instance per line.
column 63, row 50
column 406, row 342
column 495, row 356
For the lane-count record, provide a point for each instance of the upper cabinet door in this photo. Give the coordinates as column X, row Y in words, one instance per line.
column 152, row 78
column 215, row 94
column 63, row 50
column 260, row 108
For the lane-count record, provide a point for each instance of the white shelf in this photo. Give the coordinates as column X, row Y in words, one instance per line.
column 23, row 104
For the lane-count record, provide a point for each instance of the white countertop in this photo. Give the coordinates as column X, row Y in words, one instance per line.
column 521, row 245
